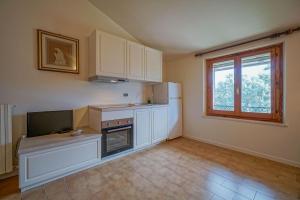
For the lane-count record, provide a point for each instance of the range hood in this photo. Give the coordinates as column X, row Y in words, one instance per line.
column 107, row 79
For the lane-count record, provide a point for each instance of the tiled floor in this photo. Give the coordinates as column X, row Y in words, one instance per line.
column 178, row 169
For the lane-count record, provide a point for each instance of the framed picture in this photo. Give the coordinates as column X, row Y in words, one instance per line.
column 57, row 52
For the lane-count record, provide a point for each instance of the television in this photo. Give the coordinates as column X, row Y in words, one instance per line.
column 44, row 123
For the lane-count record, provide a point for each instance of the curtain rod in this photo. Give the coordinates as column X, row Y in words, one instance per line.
column 271, row 36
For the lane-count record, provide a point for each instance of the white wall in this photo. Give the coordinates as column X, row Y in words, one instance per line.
column 274, row 142
column 29, row 89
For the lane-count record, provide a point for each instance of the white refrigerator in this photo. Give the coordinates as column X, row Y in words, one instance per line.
column 170, row 93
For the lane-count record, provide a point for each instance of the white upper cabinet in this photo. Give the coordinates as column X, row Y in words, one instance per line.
column 153, row 64
column 112, row 56
column 135, row 61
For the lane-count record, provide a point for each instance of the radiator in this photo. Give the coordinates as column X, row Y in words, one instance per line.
column 6, row 165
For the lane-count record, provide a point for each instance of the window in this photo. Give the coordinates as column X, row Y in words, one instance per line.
column 246, row 85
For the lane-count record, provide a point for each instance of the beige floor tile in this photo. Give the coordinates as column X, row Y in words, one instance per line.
column 76, row 183
column 260, row 196
column 16, row 196
column 108, row 191
column 34, row 194
column 95, row 181
column 54, row 187
column 82, row 195
column 60, row 196
column 195, row 192
column 240, row 188
column 216, row 197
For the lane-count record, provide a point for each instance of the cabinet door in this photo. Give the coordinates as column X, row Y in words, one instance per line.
column 135, row 61
column 142, row 128
column 159, row 124
column 153, row 62
column 112, row 56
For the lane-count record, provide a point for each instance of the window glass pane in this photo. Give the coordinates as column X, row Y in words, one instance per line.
column 223, row 86
column 256, row 83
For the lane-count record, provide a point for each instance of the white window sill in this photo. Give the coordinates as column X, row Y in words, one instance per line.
column 245, row 121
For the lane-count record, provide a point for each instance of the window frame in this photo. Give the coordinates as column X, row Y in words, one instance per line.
column 276, row 114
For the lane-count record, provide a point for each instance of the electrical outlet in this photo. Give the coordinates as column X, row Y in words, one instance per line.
column 125, row 94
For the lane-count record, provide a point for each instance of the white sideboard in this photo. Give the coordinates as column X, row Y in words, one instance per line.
column 46, row 158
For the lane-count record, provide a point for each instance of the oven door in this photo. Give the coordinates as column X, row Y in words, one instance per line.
column 116, row 139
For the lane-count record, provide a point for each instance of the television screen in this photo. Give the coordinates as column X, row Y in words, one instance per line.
column 44, row 123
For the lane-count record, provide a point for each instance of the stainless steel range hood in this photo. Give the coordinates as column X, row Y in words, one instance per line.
column 107, row 79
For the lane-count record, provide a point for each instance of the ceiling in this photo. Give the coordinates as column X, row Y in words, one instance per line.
column 185, row 26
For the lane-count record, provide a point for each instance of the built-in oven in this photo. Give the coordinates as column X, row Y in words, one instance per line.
column 117, row 136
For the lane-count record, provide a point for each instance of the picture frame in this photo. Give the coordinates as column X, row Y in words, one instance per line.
column 57, row 52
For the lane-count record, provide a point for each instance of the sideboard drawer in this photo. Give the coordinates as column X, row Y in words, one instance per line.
column 45, row 165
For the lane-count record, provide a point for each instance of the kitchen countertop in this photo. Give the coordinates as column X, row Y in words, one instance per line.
column 28, row 145
column 115, row 107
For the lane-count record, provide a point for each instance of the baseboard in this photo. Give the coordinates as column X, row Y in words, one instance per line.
column 246, row 151
column 15, row 172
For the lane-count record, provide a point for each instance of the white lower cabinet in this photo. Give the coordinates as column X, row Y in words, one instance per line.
column 150, row 126
column 159, row 124
column 142, row 128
